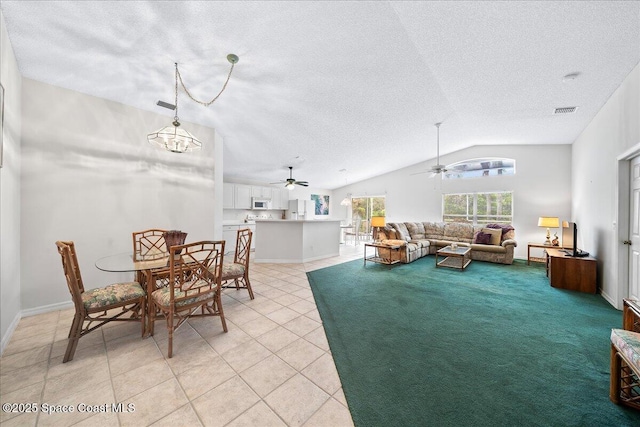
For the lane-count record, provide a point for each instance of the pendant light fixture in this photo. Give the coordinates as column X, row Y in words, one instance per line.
column 174, row 138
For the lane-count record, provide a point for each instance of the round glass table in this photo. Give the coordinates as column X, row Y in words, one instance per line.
column 124, row 262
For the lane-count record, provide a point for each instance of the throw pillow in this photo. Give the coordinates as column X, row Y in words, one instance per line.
column 504, row 227
column 482, row 238
column 496, row 235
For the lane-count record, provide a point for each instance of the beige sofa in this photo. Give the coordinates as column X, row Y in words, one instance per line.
column 419, row 239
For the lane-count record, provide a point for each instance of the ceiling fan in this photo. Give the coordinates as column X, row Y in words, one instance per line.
column 290, row 183
column 438, row 168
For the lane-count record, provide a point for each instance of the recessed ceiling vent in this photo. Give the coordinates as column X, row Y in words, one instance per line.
column 565, row 110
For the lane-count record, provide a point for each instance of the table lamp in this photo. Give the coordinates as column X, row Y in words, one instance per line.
column 377, row 222
column 548, row 222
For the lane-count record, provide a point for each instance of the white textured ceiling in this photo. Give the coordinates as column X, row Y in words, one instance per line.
column 340, row 85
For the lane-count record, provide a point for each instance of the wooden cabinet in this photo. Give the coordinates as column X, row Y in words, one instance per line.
column 573, row 273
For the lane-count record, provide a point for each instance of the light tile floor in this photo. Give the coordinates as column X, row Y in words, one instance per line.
column 273, row 368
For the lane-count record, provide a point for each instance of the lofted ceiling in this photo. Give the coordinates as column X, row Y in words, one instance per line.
column 333, row 86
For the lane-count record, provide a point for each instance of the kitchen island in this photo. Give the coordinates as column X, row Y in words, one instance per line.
column 296, row 241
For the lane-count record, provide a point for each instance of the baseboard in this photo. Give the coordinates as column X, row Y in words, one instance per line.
column 30, row 312
column 10, row 330
column 609, row 299
column 46, row 308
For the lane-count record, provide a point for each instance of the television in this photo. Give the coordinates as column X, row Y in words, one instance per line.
column 570, row 238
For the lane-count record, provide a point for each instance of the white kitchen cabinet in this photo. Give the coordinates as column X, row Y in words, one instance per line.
column 242, row 197
column 228, row 196
column 261, row 192
column 280, row 199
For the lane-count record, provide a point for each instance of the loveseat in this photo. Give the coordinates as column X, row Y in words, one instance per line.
column 491, row 242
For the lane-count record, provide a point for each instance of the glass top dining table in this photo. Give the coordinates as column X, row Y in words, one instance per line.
column 124, row 262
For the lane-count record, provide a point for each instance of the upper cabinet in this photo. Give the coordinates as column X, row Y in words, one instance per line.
column 261, row 192
column 228, row 196
column 238, row 196
column 280, row 199
column 242, row 197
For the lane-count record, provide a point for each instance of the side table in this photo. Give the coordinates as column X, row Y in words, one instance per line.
column 538, row 245
column 380, row 259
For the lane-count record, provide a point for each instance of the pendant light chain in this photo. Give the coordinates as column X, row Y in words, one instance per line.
column 175, row 118
column 206, row 104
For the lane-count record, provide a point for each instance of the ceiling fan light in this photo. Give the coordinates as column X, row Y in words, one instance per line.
column 290, row 186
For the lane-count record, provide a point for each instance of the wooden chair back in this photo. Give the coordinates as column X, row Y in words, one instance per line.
column 67, row 251
column 243, row 247
column 196, row 272
column 149, row 244
column 191, row 282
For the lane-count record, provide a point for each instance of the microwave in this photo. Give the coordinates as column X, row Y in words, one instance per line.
column 257, row 203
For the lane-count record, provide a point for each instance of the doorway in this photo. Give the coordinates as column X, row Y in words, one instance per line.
column 627, row 274
column 634, row 228
column 362, row 209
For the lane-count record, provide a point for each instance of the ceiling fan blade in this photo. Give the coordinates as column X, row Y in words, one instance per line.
column 277, row 182
column 304, row 184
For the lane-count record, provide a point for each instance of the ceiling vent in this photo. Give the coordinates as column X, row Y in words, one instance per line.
column 565, row 110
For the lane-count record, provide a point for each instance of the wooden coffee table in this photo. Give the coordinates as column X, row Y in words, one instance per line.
column 459, row 257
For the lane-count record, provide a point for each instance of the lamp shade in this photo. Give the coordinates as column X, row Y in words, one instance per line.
column 377, row 221
column 548, row 222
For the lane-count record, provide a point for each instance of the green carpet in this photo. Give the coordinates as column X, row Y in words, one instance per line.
column 494, row 345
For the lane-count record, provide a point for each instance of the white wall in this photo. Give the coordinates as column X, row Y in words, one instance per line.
column 89, row 175
column 9, row 191
column 612, row 132
column 541, row 187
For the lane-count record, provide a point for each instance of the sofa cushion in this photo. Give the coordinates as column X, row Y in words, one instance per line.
column 422, row 243
column 416, row 230
column 433, row 230
column 401, row 231
column 497, row 249
column 458, row 232
column 496, row 235
column 481, row 238
column 508, row 232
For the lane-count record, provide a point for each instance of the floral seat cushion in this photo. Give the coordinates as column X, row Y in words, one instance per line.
column 232, row 269
column 628, row 343
column 162, row 296
column 112, row 294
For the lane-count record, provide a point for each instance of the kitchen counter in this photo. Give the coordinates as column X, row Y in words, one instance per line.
column 296, row 240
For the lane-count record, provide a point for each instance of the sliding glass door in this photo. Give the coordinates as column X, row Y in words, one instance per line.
column 362, row 209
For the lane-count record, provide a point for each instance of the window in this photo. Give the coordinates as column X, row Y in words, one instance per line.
column 477, row 168
column 364, row 208
column 478, row 208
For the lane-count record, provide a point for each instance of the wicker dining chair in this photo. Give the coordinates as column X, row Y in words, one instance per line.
column 189, row 287
column 149, row 244
column 94, row 305
column 238, row 269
